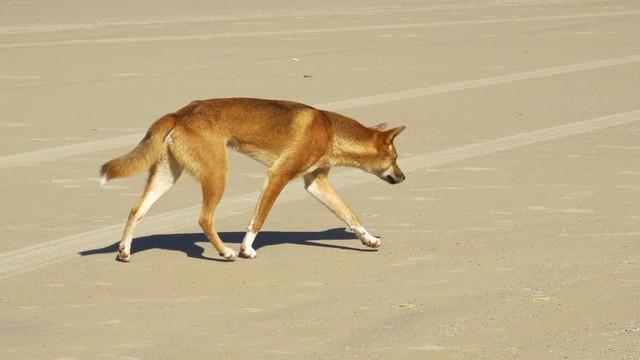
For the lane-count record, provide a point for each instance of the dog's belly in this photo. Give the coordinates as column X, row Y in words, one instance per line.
column 262, row 156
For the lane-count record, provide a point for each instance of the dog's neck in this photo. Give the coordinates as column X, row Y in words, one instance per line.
column 349, row 156
column 352, row 142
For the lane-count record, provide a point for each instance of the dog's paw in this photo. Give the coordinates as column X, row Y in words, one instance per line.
column 248, row 253
column 371, row 241
column 229, row 254
column 123, row 254
column 366, row 238
column 124, row 257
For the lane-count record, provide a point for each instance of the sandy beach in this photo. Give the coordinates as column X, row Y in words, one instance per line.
column 515, row 236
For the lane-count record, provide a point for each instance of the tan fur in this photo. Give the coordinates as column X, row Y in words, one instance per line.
column 144, row 155
column 290, row 138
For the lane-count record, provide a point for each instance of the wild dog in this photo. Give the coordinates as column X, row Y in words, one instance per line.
column 290, row 138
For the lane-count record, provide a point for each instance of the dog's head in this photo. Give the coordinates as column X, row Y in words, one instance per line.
column 384, row 165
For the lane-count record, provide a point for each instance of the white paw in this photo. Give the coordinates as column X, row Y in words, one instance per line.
column 124, row 257
column 366, row 238
column 370, row 241
column 124, row 254
column 229, row 254
column 248, row 253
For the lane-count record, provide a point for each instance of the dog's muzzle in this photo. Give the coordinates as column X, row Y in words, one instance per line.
column 391, row 179
column 393, row 175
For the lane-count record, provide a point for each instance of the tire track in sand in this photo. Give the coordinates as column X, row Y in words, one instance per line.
column 34, row 257
column 60, row 152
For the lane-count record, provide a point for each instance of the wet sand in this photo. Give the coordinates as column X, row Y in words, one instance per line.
column 515, row 235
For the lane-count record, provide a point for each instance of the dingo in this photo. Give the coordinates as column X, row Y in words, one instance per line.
column 291, row 139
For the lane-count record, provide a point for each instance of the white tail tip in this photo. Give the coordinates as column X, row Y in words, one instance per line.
column 103, row 180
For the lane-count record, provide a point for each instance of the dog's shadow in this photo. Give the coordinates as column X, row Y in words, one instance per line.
column 188, row 243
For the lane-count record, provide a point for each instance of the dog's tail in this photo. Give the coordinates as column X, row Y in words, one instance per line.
column 143, row 156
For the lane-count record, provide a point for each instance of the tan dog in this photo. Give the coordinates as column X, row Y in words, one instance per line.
column 291, row 139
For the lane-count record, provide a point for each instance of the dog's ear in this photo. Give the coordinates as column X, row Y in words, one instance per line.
column 391, row 134
column 380, row 127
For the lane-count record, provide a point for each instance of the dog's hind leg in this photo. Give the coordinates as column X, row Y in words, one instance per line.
column 213, row 178
column 318, row 185
column 162, row 176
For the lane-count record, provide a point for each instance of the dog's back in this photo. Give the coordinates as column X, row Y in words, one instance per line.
column 261, row 129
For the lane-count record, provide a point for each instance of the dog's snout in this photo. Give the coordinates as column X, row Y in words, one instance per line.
column 393, row 175
column 394, row 179
column 399, row 175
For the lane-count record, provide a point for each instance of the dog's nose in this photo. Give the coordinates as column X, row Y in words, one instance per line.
column 395, row 179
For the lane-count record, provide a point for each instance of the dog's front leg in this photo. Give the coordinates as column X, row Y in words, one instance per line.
column 275, row 183
column 318, row 185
